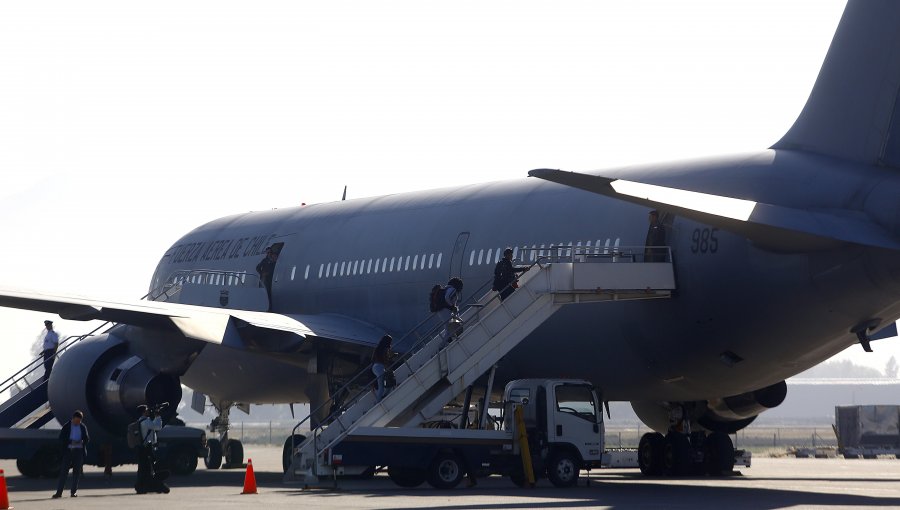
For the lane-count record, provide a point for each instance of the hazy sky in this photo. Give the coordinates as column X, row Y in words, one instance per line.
column 125, row 125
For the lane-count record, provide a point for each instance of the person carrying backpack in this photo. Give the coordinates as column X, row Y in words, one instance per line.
column 450, row 311
column 381, row 358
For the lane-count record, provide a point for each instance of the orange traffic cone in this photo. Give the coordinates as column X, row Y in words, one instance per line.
column 4, row 496
column 249, row 479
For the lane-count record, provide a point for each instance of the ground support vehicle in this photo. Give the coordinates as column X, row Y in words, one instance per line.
column 563, row 434
column 37, row 452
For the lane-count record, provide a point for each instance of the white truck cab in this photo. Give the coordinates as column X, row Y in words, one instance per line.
column 564, row 422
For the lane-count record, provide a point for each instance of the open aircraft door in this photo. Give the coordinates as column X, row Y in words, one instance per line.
column 456, row 258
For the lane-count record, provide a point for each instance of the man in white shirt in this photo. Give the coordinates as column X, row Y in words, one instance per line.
column 48, row 349
column 151, row 423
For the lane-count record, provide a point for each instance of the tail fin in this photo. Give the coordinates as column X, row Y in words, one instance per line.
column 853, row 111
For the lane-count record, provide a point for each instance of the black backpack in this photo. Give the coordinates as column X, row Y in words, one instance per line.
column 436, row 299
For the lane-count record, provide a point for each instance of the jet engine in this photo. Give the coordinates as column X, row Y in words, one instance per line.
column 727, row 415
column 104, row 380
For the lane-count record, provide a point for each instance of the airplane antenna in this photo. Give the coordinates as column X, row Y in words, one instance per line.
column 344, row 197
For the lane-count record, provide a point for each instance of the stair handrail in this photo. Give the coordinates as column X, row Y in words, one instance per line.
column 481, row 293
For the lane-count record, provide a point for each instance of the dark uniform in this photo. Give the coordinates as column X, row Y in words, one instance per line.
column 504, row 274
column 74, row 448
column 656, row 236
column 266, row 270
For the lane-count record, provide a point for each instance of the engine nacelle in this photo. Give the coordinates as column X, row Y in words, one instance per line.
column 103, row 379
column 727, row 415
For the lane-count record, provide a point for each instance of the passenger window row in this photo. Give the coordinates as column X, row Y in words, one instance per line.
column 379, row 265
column 476, row 257
column 525, row 254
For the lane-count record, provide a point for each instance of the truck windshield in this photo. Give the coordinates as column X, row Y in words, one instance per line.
column 577, row 400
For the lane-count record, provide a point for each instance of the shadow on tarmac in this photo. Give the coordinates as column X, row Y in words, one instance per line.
column 621, row 491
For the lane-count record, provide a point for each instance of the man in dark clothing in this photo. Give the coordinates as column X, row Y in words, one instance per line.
column 266, row 270
column 654, row 246
column 73, row 438
column 505, row 274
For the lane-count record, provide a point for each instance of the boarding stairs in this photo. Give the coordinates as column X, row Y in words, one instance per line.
column 435, row 370
column 28, row 405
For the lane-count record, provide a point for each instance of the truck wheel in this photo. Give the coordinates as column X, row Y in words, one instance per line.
column 234, row 453
column 406, row 477
column 183, row 461
column 446, row 471
column 28, row 467
column 718, row 454
column 676, row 454
column 286, row 452
column 213, row 458
column 563, row 468
column 650, row 454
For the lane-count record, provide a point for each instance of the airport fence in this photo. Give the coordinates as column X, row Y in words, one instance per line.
column 759, row 439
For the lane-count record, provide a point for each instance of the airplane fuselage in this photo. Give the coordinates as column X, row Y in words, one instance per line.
column 744, row 316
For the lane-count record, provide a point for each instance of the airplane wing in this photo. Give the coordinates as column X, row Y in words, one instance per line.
column 770, row 225
column 213, row 325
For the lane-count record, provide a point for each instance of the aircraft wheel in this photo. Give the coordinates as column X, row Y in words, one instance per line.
column 234, row 453
column 406, row 477
column 446, row 471
column 650, row 454
column 286, row 452
column 49, row 461
column 213, row 459
column 676, row 454
column 29, row 467
column 563, row 468
column 718, row 454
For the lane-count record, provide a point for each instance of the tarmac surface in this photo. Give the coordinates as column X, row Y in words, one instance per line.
column 770, row 483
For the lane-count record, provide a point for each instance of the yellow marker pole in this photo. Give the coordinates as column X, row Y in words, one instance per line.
column 524, row 451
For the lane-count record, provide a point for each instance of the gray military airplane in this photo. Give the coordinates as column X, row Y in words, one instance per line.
column 783, row 258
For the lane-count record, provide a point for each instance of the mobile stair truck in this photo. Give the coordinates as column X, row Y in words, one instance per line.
column 549, row 427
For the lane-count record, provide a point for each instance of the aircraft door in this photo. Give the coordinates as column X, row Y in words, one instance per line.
column 459, row 251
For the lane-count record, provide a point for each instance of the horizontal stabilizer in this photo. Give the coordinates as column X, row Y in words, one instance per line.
column 773, row 226
column 889, row 331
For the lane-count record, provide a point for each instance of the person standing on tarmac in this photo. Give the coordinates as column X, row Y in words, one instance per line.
column 48, row 347
column 505, row 274
column 147, row 479
column 73, row 438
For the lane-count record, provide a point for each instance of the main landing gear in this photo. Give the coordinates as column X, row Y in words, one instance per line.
column 679, row 454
